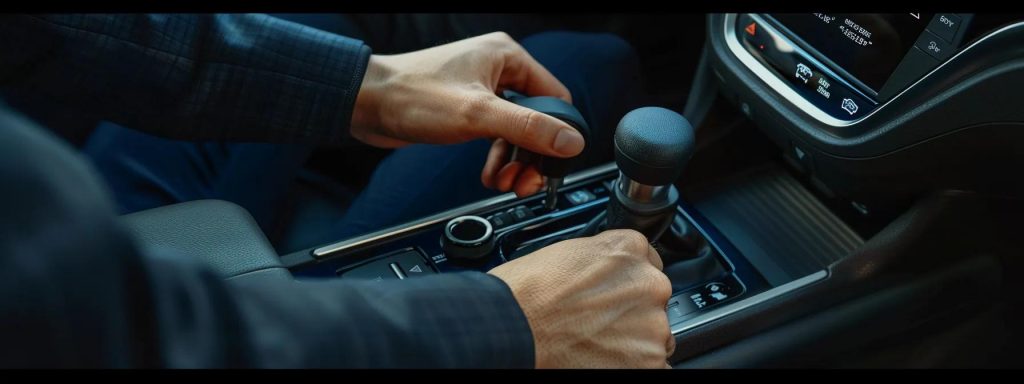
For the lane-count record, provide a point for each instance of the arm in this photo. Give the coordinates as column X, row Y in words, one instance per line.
column 258, row 78
column 75, row 292
column 464, row 320
column 199, row 77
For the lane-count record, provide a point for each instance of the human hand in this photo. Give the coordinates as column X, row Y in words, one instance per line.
column 594, row 302
column 448, row 94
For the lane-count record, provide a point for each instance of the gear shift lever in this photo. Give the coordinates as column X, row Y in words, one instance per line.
column 652, row 146
column 553, row 169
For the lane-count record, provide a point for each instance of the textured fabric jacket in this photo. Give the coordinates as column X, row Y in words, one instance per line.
column 74, row 289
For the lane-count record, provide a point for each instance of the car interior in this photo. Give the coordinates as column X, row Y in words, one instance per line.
column 879, row 228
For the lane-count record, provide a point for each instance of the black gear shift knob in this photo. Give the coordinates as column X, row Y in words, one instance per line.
column 652, row 145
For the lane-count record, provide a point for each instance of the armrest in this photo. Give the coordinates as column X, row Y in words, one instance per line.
column 220, row 233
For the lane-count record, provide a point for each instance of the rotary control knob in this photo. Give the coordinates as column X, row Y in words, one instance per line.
column 468, row 240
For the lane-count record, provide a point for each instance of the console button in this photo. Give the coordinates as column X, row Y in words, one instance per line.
column 412, row 264
column 934, row 46
column 677, row 309
column 500, row 220
column 945, row 26
column 580, row 196
column 521, row 213
column 379, row 270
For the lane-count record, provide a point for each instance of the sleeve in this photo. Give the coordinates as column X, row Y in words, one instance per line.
column 197, row 77
column 458, row 320
column 76, row 292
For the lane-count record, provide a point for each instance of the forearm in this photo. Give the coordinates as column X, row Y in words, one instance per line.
column 76, row 292
column 449, row 321
column 197, row 77
column 465, row 320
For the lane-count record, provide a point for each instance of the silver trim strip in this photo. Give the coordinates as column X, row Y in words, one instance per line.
column 769, row 77
column 321, row 252
column 640, row 192
column 731, row 308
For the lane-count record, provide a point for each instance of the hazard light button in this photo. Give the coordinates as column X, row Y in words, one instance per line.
column 412, row 264
column 751, row 29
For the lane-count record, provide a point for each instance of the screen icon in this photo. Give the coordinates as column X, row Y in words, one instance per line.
column 849, row 106
column 803, row 72
column 698, row 300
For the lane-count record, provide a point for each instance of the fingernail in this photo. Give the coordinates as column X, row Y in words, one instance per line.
column 568, row 142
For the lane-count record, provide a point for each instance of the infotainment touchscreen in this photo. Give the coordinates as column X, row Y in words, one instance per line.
column 867, row 46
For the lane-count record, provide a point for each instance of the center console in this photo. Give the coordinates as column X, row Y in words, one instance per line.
column 711, row 278
column 516, row 227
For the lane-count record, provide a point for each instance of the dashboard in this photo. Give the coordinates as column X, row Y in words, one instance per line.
column 881, row 107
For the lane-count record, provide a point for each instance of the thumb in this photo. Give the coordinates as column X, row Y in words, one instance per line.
column 526, row 128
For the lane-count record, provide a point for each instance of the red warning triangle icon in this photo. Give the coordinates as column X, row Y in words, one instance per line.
column 751, row 29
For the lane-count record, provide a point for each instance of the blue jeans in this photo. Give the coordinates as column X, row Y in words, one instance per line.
column 145, row 171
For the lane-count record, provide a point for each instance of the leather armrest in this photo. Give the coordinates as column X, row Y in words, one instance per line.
column 220, row 233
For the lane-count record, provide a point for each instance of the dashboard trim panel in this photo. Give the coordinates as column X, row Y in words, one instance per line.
column 734, row 307
column 327, row 250
column 776, row 84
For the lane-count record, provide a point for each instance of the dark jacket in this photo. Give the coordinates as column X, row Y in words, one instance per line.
column 76, row 291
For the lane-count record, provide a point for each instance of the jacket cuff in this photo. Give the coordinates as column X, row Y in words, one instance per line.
column 475, row 321
column 339, row 129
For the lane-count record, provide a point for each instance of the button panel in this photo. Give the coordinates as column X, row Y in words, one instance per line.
column 805, row 75
column 687, row 304
column 412, row 264
column 405, row 264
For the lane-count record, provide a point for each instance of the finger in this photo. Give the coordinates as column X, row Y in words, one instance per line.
column 496, row 158
column 654, row 257
column 529, row 182
column 523, row 73
column 507, row 176
column 670, row 345
column 491, row 116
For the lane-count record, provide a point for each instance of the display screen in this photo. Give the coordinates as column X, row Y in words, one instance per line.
column 868, row 46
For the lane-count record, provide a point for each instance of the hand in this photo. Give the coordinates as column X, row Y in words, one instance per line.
column 594, row 302
column 448, row 94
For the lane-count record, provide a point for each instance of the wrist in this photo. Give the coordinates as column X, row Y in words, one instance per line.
column 366, row 113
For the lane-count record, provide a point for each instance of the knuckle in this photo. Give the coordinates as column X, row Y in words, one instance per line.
column 633, row 241
column 661, row 286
